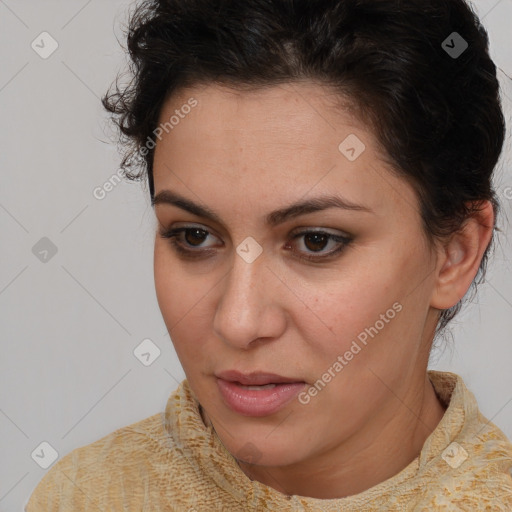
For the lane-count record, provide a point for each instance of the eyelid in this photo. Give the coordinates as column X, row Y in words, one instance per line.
column 181, row 227
column 327, row 231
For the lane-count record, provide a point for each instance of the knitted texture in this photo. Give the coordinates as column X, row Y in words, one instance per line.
column 172, row 462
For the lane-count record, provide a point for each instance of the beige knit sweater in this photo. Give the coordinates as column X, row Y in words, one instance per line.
column 173, row 462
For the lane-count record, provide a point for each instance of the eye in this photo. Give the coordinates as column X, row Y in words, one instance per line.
column 187, row 241
column 315, row 242
column 181, row 239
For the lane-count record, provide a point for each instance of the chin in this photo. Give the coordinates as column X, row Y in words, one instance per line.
column 261, row 451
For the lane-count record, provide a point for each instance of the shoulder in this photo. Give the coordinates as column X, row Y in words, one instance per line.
column 473, row 473
column 101, row 473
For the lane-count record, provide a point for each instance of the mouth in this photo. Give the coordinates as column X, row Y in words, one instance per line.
column 257, row 393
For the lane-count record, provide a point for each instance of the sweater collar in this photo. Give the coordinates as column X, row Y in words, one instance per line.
column 201, row 445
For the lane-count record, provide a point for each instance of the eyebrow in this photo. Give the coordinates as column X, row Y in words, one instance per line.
column 272, row 219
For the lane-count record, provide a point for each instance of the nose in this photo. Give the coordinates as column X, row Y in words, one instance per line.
column 249, row 308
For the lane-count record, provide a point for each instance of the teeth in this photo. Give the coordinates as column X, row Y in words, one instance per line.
column 259, row 388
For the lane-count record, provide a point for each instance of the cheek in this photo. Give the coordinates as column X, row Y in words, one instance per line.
column 183, row 302
column 174, row 291
column 177, row 287
column 167, row 283
column 347, row 306
column 377, row 324
column 352, row 326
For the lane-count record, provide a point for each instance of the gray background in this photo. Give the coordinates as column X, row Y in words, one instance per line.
column 70, row 324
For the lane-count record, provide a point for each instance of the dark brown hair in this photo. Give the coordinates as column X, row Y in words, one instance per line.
column 437, row 115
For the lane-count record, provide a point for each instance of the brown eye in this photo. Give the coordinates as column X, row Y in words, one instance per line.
column 316, row 241
column 195, row 236
column 188, row 242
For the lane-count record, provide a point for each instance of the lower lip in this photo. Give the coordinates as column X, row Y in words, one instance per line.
column 252, row 402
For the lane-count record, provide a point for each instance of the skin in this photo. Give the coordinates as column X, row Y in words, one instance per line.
column 244, row 154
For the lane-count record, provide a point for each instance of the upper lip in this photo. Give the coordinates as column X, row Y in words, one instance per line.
column 254, row 378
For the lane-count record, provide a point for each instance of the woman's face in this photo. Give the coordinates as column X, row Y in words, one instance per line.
column 343, row 314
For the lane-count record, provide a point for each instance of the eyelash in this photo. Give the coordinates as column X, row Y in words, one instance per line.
column 173, row 234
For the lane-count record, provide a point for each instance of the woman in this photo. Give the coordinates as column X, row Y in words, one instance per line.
column 321, row 179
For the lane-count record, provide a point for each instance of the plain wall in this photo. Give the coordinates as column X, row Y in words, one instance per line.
column 69, row 325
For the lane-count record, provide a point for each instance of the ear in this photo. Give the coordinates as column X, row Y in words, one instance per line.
column 460, row 257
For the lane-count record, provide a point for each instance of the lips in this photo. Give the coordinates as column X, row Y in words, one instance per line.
column 257, row 393
column 255, row 378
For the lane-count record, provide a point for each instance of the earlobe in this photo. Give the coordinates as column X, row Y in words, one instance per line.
column 460, row 258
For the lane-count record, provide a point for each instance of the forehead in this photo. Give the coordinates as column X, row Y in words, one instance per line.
column 289, row 138
column 291, row 111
